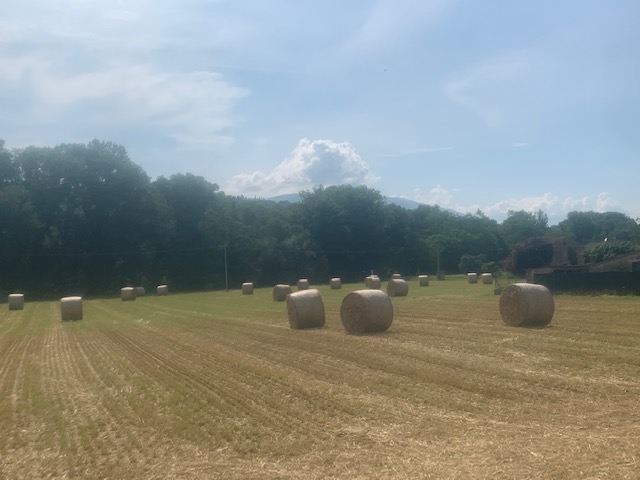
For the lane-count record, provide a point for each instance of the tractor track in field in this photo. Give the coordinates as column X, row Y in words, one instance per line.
column 214, row 383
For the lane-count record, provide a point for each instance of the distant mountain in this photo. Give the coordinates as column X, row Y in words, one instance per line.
column 287, row 197
column 401, row 202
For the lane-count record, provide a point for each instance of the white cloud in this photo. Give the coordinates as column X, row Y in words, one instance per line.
column 194, row 108
column 604, row 203
column 311, row 163
column 555, row 208
column 546, row 202
column 438, row 195
column 571, row 204
column 120, row 66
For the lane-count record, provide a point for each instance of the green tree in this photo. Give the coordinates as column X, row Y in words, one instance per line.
column 9, row 172
column 346, row 224
column 587, row 227
column 96, row 211
column 20, row 232
column 520, row 225
column 608, row 250
column 191, row 255
column 472, row 263
column 437, row 244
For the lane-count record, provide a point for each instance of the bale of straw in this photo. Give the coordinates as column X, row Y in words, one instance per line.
column 396, row 276
column 487, row 278
column 16, row 301
column 280, row 292
column 423, row 280
column 364, row 311
column 71, row 308
column 472, row 277
column 140, row 292
column 127, row 294
column 305, row 309
column 397, row 288
column 526, row 304
column 162, row 290
column 303, row 284
column 335, row 283
column 372, row 281
column 247, row 288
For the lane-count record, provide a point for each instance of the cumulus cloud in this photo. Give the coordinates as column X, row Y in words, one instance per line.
column 604, row 203
column 571, row 204
column 546, row 202
column 311, row 163
column 552, row 205
column 440, row 196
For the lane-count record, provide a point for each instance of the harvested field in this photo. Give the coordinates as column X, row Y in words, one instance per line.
column 216, row 385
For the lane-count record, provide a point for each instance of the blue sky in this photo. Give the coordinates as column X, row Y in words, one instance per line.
column 490, row 105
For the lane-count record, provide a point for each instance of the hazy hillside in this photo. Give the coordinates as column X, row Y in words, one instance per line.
column 402, row 202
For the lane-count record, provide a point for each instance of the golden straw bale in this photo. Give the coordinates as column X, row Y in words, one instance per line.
column 335, row 283
column 162, row 290
column 364, row 311
column 472, row 277
column 71, row 308
column 303, row 284
column 127, row 294
column 487, row 278
column 423, row 280
column 372, row 281
column 305, row 309
column 247, row 288
column 280, row 292
column 397, row 288
column 16, row 301
column 526, row 304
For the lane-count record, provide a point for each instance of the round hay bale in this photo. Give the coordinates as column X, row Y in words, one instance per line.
column 127, row 294
column 280, row 292
column 472, row 277
column 303, row 284
column 16, row 301
column 396, row 276
column 364, row 311
column 247, row 288
column 487, row 278
column 335, row 283
column 305, row 309
column 397, row 288
column 140, row 292
column 526, row 304
column 71, row 308
column 162, row 290
column 372, row 281
column 423, row 280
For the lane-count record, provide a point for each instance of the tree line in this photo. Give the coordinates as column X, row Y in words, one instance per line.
column 85, row 219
